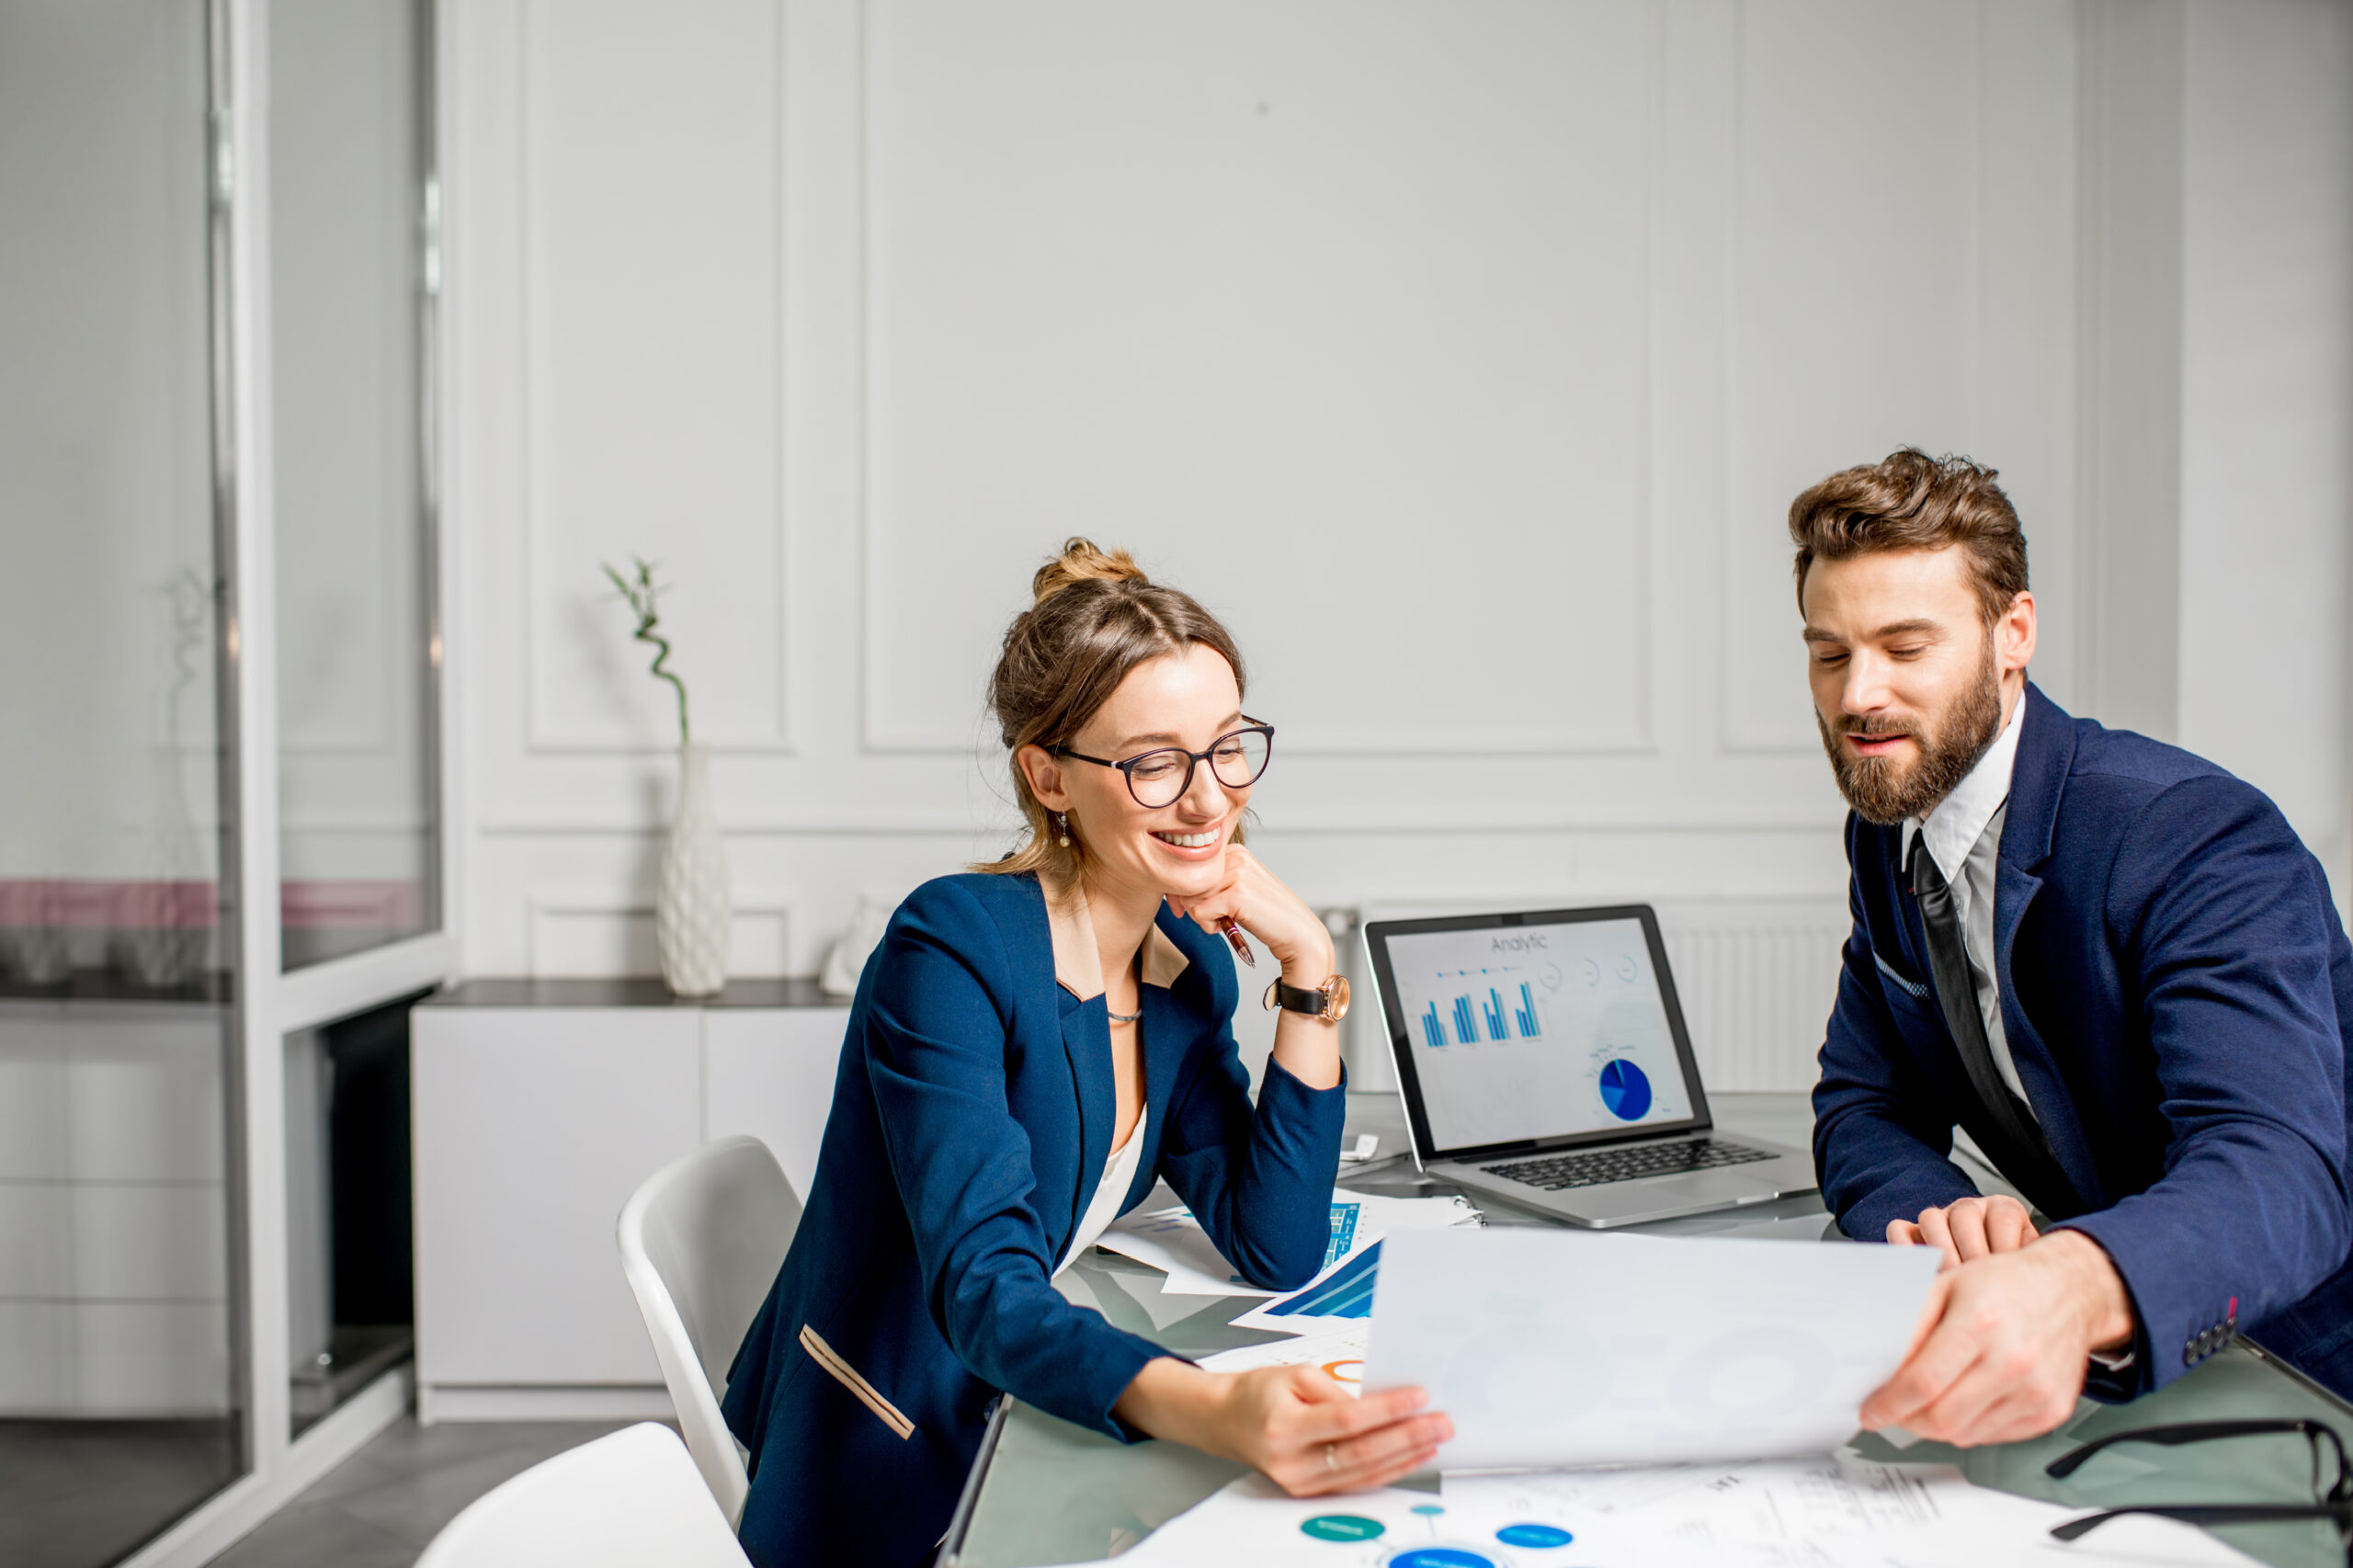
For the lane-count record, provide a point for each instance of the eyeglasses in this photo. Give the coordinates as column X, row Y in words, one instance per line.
column 1160, row 777
column 2333, row 1502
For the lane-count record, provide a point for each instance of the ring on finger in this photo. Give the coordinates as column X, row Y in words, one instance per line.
column 1332, row 1457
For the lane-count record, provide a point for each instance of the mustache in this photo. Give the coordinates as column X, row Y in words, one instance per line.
column 1868, row 726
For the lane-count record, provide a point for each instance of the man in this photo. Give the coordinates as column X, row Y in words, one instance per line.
column 2110, row 962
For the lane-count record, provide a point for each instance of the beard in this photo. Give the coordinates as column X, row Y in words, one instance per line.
column 1884, row 792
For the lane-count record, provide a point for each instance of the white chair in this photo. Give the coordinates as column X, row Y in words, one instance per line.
column 700, row 1241
column 630, row 1500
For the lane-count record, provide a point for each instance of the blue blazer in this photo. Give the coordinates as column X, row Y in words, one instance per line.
column 2177, row 992
column 972, row 1114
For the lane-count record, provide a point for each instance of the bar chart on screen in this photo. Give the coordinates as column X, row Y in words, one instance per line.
column 1494, row 1010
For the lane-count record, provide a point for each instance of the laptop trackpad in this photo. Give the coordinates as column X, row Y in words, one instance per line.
column 1625, row 1201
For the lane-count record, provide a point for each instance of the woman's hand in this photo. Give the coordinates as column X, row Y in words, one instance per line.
column 1308, row 1048
column 1304, row 1431
column 1256, row 899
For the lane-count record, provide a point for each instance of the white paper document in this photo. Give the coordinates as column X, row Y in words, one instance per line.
column 1251, row 1524
column 1554, row 1348
column 1172, row 1240
column 1836, row 1511
column 1830, row 1512
column 1340, row 1357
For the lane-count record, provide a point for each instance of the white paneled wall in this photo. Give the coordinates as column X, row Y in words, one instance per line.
column 1465, row 358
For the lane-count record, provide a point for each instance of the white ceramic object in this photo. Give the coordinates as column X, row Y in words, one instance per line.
column 691, row 917
column 846, row 964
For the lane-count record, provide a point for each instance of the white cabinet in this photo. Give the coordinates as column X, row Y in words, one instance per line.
column 538, row 1106
column 769, row 1071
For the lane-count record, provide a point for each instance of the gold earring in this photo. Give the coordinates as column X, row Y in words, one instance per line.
column 1061, row 827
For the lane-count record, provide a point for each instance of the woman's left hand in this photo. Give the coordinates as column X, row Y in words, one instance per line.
column 1256, row 899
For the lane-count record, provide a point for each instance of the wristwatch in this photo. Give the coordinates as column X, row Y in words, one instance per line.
column 1328, row 1002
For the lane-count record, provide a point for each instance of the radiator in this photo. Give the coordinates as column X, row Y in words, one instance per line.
column 1757, row 979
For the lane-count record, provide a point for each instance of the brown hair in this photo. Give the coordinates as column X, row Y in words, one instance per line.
column 1093, row 617
column 1912, row 501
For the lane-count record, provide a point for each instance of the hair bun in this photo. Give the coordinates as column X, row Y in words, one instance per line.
column 1081, row 562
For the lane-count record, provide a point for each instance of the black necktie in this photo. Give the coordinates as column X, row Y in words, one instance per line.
column 2016, row 1147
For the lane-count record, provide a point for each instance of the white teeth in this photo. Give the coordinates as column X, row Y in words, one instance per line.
column 1187, row 840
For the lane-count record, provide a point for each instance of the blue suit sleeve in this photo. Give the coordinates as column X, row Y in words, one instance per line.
column 936, row 1043
column 1259, row 1181
column 1881, row 1146
column 2221, row 910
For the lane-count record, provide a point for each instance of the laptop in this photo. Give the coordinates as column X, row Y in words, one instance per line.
column 1543, row 1060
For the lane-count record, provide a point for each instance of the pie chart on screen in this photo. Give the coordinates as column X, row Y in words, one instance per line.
column 1625, row 1090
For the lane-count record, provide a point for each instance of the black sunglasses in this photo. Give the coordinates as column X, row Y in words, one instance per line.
column 2332, row 1502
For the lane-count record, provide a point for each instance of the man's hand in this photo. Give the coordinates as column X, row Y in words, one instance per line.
column 2003, row 1342
column 1973, row 1228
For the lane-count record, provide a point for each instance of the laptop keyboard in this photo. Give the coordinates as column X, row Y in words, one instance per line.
column 1558, row 1172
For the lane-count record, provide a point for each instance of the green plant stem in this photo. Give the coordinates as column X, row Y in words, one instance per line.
column 641, row 597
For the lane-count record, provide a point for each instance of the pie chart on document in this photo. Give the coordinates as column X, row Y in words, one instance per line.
column 1625, row 1090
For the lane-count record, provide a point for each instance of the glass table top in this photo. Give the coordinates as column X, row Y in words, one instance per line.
column 1051, row 1492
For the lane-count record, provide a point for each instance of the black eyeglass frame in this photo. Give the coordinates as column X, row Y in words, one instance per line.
column 2333, row 1503
column 1193, row 760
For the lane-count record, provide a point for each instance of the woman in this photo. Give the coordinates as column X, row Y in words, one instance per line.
column 1031, row 1046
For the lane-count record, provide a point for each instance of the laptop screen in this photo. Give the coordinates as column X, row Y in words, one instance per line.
column 1559, row 1026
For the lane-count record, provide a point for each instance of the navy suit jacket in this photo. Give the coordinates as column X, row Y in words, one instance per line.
column 973, row 1113
column 2177, row 992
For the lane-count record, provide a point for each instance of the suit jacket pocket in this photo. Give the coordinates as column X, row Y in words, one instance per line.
column 1905, row 984
column 842, row 1373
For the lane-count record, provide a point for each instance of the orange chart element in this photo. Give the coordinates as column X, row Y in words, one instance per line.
column 1349, row 1371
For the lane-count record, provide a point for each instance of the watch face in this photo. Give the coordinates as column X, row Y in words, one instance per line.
column 1336, row 997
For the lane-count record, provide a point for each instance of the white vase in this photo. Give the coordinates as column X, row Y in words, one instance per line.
column 690, row 902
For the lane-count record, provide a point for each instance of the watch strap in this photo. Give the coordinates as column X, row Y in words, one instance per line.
column 1295, row 998
column 1328, row 1002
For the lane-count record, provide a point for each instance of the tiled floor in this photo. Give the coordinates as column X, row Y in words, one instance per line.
column 380, row 1508
column 75, row 1492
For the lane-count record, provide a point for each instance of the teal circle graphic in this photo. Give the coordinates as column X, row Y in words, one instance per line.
column 1426, row 1510
column 1440, row 1557
column 1534, row 1535
column 1341, row 1526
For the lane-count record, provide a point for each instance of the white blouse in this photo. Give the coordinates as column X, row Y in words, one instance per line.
column 1119, row 1175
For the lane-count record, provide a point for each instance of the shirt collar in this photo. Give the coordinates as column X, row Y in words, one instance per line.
column 1960, row 819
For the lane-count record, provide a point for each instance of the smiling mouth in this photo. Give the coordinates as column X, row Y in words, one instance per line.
column 1187, row 840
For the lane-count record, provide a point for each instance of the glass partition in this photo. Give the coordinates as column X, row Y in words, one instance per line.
column 349, row 157
column 119, row 1267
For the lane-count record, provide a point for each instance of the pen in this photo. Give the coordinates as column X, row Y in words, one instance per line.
column 1234, row 934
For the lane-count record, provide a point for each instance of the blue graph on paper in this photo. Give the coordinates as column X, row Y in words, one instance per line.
column 1344, row 1232
column 1347, row 1293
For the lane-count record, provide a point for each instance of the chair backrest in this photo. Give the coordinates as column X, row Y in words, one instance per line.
column 633, row 1499
column 701, row 1240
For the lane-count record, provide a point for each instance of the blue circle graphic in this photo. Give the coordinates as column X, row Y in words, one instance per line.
column 1625, row 1091
column 1440, row 1557
column 1534, row 1535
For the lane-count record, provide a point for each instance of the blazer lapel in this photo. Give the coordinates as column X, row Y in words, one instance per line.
column 1086, row 1042
column 2046, row 752
column 1164, row 965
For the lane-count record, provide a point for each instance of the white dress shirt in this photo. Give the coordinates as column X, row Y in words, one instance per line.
column 1119, row 1175
column 1964, row 838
